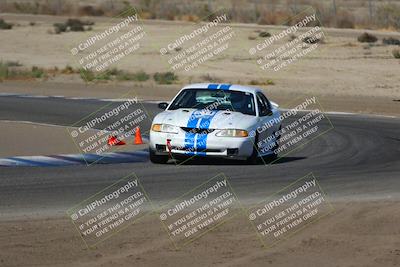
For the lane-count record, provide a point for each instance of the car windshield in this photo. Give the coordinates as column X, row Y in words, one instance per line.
column 212, row 99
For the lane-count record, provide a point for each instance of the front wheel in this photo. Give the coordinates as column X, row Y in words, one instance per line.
column 274, row 156
column 158, row 159
column 253, row 159
column 275, row 149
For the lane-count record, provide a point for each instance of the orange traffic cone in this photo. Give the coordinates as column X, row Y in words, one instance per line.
column 138, row 137
column 113, row 141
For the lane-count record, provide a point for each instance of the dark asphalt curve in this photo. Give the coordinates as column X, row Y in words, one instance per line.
column 358, row 159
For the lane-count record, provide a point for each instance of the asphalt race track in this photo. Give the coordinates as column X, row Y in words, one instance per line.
column 358, row 159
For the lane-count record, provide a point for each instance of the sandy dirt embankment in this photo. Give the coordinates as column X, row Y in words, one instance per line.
column 356, row 234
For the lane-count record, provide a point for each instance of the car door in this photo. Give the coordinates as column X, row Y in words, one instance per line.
column 267, row 124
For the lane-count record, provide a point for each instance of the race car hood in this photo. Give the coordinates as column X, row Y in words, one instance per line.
column 206, row 119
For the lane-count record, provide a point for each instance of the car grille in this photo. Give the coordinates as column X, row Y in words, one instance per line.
column 197, row 130
column 196, row 150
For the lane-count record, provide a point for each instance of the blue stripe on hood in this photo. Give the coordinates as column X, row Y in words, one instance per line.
column 190, row 137
column 195, row 141
column 201, row 142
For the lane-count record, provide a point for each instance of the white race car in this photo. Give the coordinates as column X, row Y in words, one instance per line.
column 216, row 120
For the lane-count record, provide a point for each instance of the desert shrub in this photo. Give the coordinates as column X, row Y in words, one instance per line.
column 112, row 74
column 77, row 28
column 87, row 75
column 13, row 73
column 264, row 34
column 367, row 38
column 311, row 40
column 4, row 25
column 263, row 82
column 103, row 76
column 270, row 82
column 3, row 71
column 165, row 77
column 252, row 37
column 139, row 76
column 60, row 27
column 13, row 64
column 68, row 70
column 396, row 53
column 115, row 72
column 391, row 41
column 74, row 25
column 52, row 71
column 37, row 72
column 32, row 23
column 10, row 69
column 292, row 37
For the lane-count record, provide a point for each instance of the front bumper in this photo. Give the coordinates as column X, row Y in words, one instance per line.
column 212, row 146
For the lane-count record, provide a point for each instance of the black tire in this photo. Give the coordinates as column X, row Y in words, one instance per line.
column 158, row 159
column 253, row 159
column 275, row 155
column 272, row 157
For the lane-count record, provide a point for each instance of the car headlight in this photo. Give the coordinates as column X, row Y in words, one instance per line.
column 232, row 133
column 165, row 128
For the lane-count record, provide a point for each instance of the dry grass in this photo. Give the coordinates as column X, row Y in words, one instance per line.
column 262, row 82
column 344, row 14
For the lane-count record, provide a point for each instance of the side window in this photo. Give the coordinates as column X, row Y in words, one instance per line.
column 267, row 103
column 262, row 106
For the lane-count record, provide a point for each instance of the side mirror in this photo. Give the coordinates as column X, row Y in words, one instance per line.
column 266, row 112
column 162, row 105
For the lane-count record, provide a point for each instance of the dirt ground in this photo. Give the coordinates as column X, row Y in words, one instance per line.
column 356, row 234
column 344, row 74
